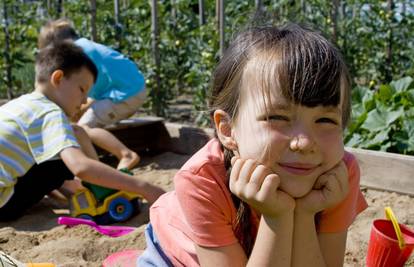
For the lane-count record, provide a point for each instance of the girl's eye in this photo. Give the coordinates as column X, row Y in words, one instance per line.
column 327, row 120
column 277, row 118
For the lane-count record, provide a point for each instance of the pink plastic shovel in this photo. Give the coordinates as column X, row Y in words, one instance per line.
column 109, row 230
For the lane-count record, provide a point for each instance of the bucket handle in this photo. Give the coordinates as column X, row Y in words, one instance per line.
column 390, row 216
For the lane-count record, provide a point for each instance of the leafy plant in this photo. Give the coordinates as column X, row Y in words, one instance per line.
column 384, row 119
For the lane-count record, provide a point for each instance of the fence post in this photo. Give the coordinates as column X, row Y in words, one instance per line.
column 59, row 8
column 334, row 20
column 388, row 51
column 93, row 21
column 221, row 25
column 157, row 108
column 118, row 26
column 202, row 18
column 6, row 52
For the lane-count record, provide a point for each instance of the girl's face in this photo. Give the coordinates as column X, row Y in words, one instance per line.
column 298, row 143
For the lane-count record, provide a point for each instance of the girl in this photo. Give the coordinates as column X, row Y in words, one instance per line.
column 275, row 187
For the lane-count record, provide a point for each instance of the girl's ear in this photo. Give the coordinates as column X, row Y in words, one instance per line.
column 56, row 77
column 223, row 125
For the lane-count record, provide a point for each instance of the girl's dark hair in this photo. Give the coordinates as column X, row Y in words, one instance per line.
column 304, row 66
column 65, row 56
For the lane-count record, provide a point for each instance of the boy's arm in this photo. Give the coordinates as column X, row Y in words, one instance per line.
column 96, row 172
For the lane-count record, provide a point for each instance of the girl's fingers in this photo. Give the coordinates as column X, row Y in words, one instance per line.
column 269, row 186
column 343, row 177
column 237, row 164
column 258, row 175
column 233, row 160
column 234, row 174
column 246, row 171
column 321, row 181
column 254, row 184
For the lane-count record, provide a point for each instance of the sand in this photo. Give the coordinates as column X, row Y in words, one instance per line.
column 36, row 237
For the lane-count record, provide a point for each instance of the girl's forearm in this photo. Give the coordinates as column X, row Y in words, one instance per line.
column 306, row 250
column 273, row 245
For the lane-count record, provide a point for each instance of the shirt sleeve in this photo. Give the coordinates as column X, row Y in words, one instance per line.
column 50, row 134
column 340, row 217
column 207, row 207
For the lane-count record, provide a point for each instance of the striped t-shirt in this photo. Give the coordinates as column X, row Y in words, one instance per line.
column 33, row 129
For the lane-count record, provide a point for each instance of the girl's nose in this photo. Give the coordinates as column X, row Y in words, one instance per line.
column 301, row 143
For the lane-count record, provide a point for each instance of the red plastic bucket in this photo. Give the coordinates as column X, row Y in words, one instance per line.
column 383, row 247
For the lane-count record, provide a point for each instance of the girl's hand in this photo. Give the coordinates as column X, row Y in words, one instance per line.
column 329, row 189
column 256, row 185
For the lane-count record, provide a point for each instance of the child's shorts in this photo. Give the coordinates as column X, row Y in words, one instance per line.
column 105, row 112
column 30, row 188
column 153, row 254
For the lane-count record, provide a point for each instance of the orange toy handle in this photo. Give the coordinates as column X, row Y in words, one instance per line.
column 390, row 216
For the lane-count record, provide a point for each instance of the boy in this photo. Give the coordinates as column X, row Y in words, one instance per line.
column 40, row 149
column 117, row 94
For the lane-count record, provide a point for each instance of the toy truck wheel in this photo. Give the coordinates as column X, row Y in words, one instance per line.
column 120, row 209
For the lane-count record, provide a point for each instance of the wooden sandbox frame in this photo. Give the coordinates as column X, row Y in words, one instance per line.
column 379, row 170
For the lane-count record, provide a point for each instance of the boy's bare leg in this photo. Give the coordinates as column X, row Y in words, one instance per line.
column 107, row 141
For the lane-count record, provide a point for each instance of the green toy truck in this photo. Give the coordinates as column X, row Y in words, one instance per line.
column 104, row 205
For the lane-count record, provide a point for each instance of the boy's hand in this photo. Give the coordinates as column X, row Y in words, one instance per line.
column 329, row 189
column 256, row 185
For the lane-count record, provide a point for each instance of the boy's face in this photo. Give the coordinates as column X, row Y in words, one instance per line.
column 71, row 92
column 298, row 143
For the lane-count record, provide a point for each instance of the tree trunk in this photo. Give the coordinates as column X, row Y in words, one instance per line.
column 6, row 52
column 93, row 21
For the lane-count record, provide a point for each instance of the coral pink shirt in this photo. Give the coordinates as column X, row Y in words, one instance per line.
column 200, row 210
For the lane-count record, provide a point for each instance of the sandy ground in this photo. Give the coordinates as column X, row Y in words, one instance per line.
column 37, row 237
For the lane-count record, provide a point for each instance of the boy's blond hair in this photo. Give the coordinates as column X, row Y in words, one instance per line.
column 55, row 31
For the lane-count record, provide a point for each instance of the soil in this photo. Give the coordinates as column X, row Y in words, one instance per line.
column 36, row 237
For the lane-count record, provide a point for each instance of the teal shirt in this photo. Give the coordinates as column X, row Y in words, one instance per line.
column 118, row 77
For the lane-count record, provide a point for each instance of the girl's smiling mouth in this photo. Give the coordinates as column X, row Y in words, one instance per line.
column 299, row 168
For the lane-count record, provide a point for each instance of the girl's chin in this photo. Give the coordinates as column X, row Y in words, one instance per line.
column 296, row 192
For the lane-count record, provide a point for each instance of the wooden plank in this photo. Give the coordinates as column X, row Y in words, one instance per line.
column 385, row 171
column 145, row 134
column 187, row 139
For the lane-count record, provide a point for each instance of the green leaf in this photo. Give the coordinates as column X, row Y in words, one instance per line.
column 402, row 84
column 354, row 141
column 379, row 119
column 385, row 93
